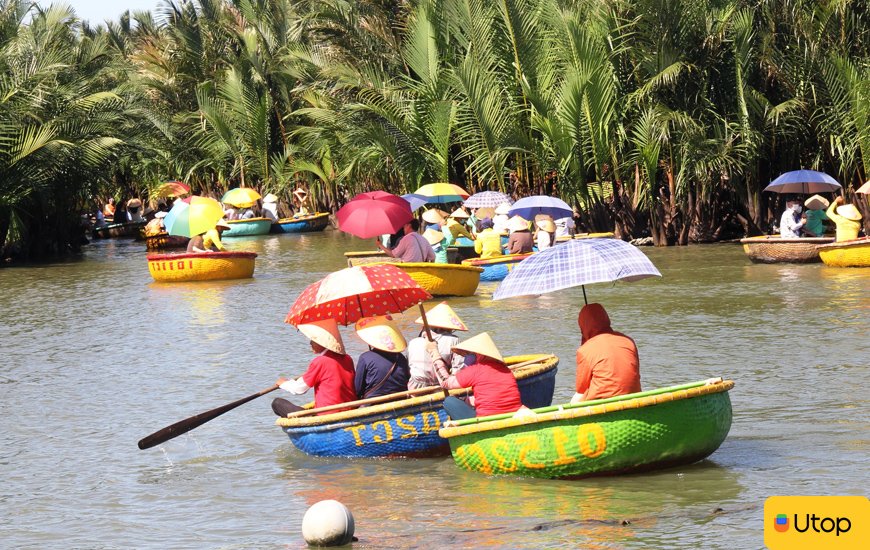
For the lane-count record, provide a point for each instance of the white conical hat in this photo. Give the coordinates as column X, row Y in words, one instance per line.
column 381, row 333
column 518, row 223
column 270, row 198
column 481, row 344
column 460, row 213
column 503, row 208
column 325, row 333
column 443, row 316
column 433, row 237
column 817, row 202
column 850, row 212
column 433, row 216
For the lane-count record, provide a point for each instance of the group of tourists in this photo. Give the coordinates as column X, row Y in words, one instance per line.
column 607, row 364
column 795, row 222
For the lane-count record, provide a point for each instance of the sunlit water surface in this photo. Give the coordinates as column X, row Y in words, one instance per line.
column 96, row 356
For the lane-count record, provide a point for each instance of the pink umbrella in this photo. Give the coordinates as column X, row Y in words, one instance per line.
column 372, row 214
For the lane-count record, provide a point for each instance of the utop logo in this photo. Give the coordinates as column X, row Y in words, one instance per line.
column 812, row 522
column 780, row 523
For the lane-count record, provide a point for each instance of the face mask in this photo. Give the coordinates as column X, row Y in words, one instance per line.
column 797, row 208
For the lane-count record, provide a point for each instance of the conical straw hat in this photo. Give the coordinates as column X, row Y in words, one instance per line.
column 849, row 212
column 460, row 213
column 324, row 333
column 381, row 333
column 546, row 225
column 481, row 344
column 518, row 223
column 270, row 198
column 817, row 202
column 433, row 237
column 443, row 316
column 503, row 208
column 433, row 216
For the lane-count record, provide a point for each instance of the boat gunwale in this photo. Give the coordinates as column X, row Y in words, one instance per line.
column 582, row 411
column 250, row 220
column 843, row 244
column 436, row 395
column 434, row 266
column 774, row 239
column 301, row 219
column 204, row 255
column 504, row 259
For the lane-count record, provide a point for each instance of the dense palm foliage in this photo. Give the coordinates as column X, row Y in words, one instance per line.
column 663, row 118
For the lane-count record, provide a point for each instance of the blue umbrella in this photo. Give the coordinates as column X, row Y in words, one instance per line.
column 487, row 199
column 576, row 263
column 416, row 201
column 529, row 207
column 804, row 181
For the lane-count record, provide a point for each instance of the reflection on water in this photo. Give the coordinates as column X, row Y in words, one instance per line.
column 97, row 356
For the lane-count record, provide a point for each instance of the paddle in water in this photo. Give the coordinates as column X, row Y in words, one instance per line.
column 188, row 424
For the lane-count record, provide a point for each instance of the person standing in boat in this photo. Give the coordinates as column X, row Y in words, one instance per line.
column 846, row 217
column 412, row 248
column 789, row 226
column 607, row 361
column 382, row 369
column 443, row 323
column 494, row 385
column 330, row 373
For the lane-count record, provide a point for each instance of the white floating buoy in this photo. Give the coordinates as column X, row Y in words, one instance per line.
column 327, row 523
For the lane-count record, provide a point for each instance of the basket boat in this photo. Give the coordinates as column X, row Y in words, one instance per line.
column 201, row 266
column 302, row 224
column 854, row 253
column 247, row 228
column 116, row 230
column 444, row 279
column 630, row 433
column 363, row 257
column 165, row 241
column 603, row 235
column 770, row 249
column 407, row 427
column 496, row 269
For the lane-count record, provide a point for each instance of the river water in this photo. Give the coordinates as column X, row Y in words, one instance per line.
column 96, row 356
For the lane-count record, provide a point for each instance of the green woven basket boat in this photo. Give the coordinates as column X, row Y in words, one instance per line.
column 630, row 433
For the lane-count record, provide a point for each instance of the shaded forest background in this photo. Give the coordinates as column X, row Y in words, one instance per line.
column 659, row 118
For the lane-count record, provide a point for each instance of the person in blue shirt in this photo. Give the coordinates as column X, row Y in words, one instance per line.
column 383, row 369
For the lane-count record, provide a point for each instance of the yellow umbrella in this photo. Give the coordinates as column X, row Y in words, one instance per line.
column 442, row 193
column 241, row 196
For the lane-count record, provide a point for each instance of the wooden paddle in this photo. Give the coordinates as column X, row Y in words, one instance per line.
column 188, row 424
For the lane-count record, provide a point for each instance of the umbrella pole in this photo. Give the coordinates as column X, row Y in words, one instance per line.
column 585, row 301
column 429, row 337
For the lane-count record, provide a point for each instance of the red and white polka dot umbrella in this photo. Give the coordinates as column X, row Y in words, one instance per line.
column 356, row 292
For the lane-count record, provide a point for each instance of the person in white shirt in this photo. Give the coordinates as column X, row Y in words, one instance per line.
column 565, row 227
column 501, row 220
column 443, row 322
column 270, row 207
column 789, row 226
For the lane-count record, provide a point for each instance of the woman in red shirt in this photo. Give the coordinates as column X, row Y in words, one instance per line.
column 330, row 373
column 494, row 385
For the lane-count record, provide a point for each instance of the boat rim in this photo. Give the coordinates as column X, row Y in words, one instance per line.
column 204, row 255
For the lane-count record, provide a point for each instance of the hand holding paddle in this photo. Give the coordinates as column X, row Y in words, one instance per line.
column 188, row 424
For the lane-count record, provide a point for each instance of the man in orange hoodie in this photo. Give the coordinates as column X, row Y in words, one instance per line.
column 607, row 361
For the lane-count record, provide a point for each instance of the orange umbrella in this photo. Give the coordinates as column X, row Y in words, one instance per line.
column 173, row 189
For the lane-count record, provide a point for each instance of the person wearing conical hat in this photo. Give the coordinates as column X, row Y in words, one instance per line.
column 436, row 240
column 382, row 369
column 501, row 220
column 846, row 217
column 134, row 210
column 330, row 373
column 488, row 243
column 270, row 207
column 815, row 214
column 443, row 324
column 454, row 227
column 607, row 361
column 545, row 232
column 494, row 385
column 520, row 240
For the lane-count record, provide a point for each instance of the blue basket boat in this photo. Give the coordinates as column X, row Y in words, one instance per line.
column 302, row 224
column 247, row 228
column 406, row 427
column 496, row 269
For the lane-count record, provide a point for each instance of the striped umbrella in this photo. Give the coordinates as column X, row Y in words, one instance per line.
column 487, row 199
column 576, row 263
column 192, row 216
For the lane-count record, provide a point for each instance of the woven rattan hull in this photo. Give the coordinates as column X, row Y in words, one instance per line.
column 204, row 266
column 847, row 253
column 496, row 269
column 405, row 428
column 306, row 224
column 444, row 279
column 247, row 228
column 773, row 250
column 628, row 435
column 164, row 241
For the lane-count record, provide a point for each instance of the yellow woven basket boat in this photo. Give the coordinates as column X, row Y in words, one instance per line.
column 854, row 253
column 444, row 279
column 201, row 266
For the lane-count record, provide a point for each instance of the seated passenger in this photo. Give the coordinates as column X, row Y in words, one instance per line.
column 330, row 373
column 789, row 226
column 443, row 322
column 815, row 215
column 520, row 240
column 607, row 361
column 488, row 243
column 412, row 248
column 439, row 245
column 383, row 369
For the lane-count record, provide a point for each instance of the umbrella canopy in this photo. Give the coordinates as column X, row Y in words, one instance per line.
column 865, row 189
column 173, row 189
column 529, row 207
column 576, row 263
column 416, row 201
column 241, row 196
column 357, row 292
column 192, row 216
column 803, row 181
column 487, row 199
column 440, row 193
column 372, row 214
